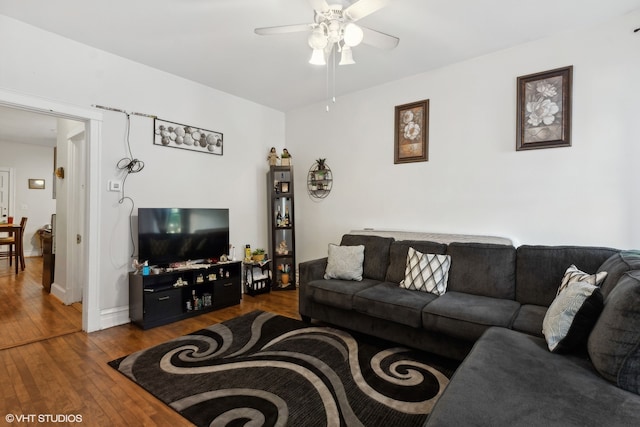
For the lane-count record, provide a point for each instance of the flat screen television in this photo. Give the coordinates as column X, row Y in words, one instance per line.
column 170, row 235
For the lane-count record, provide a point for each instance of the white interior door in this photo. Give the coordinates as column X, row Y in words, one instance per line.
column 6, row 182
column 76, row 209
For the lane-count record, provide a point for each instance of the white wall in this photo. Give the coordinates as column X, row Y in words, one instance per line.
column 475, row 182
column 30, row 162
column 52, row 67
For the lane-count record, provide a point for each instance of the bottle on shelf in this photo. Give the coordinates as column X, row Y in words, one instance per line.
column 287, row 218
column 278, row 218
column 194, row 300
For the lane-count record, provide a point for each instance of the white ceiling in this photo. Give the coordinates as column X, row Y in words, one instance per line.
column 213, row 42
column 26, row 127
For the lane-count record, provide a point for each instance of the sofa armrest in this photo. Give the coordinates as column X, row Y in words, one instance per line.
column 309, row 271
column 312, row 270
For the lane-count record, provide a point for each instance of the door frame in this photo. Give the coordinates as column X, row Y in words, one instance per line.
column 92, row 120
column 12, row 189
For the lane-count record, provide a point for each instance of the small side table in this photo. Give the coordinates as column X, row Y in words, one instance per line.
column 49, row 261
column 257, row 277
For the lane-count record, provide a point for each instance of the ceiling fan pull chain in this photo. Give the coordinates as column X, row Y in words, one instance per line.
column 327, row 86
column 333, row 97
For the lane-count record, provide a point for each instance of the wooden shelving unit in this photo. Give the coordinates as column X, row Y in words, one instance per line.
column 281, row 216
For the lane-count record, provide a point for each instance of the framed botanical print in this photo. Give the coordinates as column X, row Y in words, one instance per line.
column 411, row 142
column 544, row 109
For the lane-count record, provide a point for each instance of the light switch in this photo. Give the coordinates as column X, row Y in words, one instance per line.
column 115, row 185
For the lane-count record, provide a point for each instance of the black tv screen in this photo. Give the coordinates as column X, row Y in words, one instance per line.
column 169, row 235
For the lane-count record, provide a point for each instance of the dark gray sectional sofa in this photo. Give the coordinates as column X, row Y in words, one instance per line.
column 491, row 318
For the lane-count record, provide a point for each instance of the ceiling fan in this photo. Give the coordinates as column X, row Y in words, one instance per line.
column 334, row 26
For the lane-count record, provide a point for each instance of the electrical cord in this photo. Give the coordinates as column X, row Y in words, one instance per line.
column 129, row 165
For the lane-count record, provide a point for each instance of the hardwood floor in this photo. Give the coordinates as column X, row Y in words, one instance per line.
column 49, row 368
column 27, row 312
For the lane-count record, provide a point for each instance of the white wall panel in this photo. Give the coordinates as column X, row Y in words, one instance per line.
column 475, row 182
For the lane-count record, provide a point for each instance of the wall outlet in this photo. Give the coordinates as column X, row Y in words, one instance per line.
column 115, row 185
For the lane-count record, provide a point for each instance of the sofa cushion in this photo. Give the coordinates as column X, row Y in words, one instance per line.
column 540, row 269
column 575, row 275
column 615, row 266
column 483, row 269
column 376, row 253
column 398, row 256
column 337, row 293
column 614, row 343
column 426, row 272
column 344, row 262
column 388, row 301
column 571, row 316
column 511, row 379
column 467, row 316
column 529, row 319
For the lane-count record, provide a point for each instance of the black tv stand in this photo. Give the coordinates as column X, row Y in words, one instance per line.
column 158, row 299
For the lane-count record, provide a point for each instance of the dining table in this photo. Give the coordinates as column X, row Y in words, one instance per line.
column 16, row 231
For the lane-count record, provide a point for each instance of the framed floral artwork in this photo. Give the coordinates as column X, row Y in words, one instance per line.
column 411, row 142
column 544, row 109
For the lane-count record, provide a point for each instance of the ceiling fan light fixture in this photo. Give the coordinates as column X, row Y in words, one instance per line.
column 317, row 57
column 353, row 34
column 346, row 57
column 334, row 31
column 317, row 39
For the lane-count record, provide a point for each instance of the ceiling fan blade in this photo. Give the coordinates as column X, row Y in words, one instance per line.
column 377, row 39
column 283, row 29
column 362, row 8
column 319, row 5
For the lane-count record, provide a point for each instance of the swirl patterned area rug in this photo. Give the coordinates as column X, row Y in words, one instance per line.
column 262, row 369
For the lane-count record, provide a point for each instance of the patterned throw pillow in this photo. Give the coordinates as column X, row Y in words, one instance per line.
column 426, row 272
column 345, row 262
column 571, row 316
column 573, row 275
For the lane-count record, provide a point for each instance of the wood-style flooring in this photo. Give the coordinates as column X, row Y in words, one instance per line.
column 50, row 368
column 27, row 312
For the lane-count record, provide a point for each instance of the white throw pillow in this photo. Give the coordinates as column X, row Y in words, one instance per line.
column 571, row 316
column 345, row 262
column 426, row 272
column 573, row 275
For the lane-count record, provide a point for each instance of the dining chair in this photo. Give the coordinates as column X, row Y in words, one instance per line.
column 23, row 226
column 11, row 243
column 15, row 243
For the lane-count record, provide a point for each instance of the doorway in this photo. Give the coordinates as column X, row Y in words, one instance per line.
column 75, row 217
column 70, row 211
column 84, row 274
column 6, row 202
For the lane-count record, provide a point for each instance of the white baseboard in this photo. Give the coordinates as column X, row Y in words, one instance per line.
column 58, row 292
column 114, row 317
